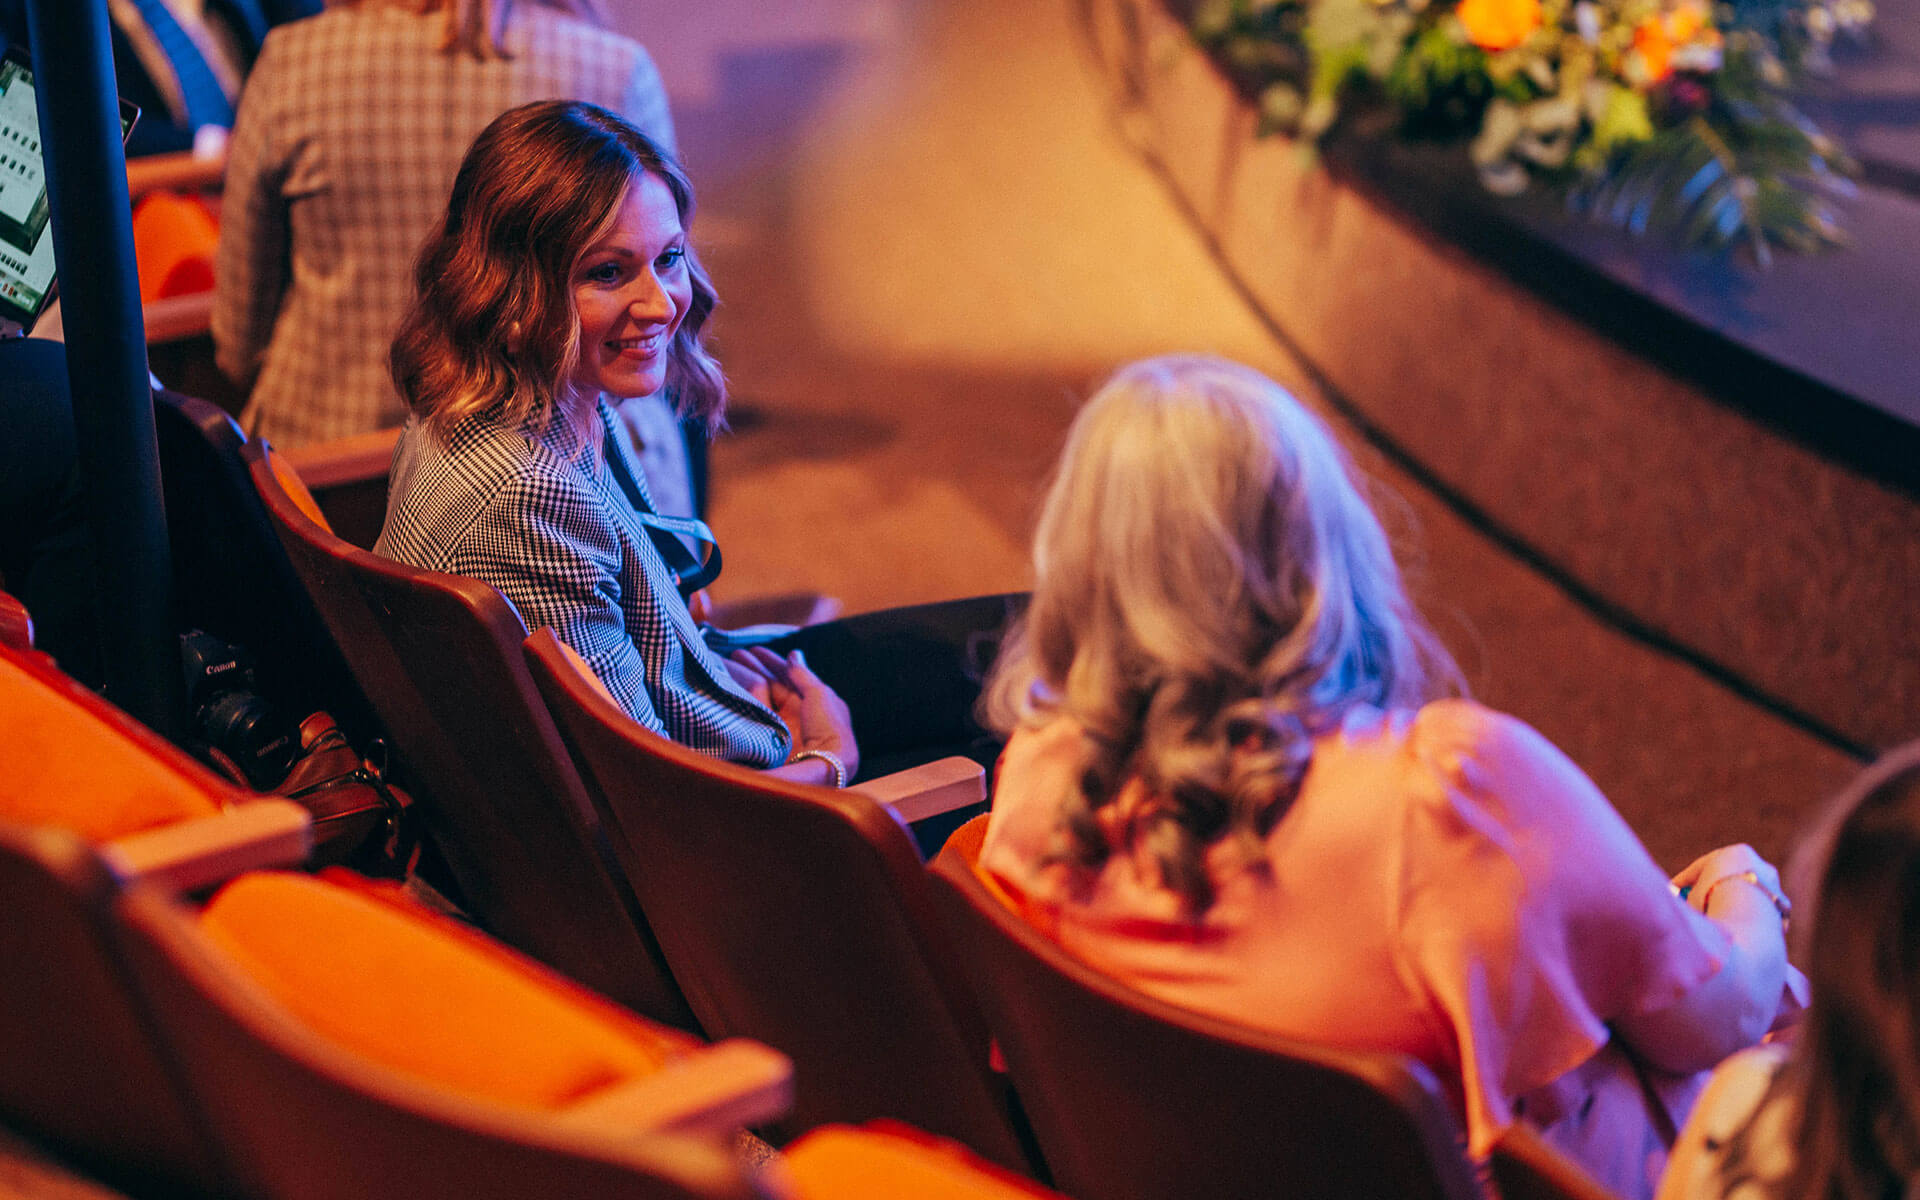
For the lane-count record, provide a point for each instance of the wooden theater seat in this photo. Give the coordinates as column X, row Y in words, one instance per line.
column 232, row 577
column 1131, row 1097
column 102, row 1043
column 792, row 914
column 438, row 656
column 74, row 762
column 80, row 1068
column 884, row 1160
column 312, row 1014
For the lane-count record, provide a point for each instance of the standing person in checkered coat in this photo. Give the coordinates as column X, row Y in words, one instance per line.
column 348, row 135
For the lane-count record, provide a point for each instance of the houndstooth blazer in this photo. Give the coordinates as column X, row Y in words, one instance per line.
column 548, row 526
column 349, row 134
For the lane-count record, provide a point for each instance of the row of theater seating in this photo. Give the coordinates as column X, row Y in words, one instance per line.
column 717, row 900
column 327, row 1036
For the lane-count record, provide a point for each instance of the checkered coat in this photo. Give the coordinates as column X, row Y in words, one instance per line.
column 548, row 526
column 349, row 134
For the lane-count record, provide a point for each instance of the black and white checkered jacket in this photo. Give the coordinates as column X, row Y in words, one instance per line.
column 549, row 527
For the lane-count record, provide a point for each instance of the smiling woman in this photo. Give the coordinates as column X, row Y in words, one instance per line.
column 560, row 283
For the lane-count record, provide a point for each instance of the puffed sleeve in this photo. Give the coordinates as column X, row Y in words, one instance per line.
column 251, row 263
column 1530, row 915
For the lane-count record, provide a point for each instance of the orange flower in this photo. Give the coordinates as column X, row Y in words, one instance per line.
column 1656, row 41
column 1499, row 24
column 1655, row 49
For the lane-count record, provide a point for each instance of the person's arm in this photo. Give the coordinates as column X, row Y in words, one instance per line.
column 1542, row 927
column 251, row 262
column 1736, row 889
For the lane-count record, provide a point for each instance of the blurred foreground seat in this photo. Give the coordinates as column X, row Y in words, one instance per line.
column 303, row 1036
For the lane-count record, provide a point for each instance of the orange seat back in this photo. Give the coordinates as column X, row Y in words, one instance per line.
column 174, row 238
column 72, row 761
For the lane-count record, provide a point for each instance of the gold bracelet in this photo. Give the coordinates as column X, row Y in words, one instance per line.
column 1781, row 904
column 828, row 757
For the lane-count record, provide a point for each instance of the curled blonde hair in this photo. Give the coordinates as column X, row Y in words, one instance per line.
column 1210, row 592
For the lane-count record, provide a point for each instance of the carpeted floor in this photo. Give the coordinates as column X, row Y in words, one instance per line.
column 930, row 245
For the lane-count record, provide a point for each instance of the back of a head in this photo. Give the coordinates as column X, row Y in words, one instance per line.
column 1856, row 1067
column 1209, row 581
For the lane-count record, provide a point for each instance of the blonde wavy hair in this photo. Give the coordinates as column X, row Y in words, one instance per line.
column 1211, row 590
column 477, row 28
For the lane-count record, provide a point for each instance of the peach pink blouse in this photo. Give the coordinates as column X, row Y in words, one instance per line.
column 1447, row 884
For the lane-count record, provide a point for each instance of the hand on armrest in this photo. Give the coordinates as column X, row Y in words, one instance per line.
column 929, row 790
column 195, row 854
column 718, row 1089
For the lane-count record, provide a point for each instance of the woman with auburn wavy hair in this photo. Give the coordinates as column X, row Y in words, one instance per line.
column 1836, row 1114
column 348, row 136
column 560, row 284
column 1237, row 780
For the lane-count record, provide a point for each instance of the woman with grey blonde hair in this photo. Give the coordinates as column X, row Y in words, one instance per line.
column 1240, row 778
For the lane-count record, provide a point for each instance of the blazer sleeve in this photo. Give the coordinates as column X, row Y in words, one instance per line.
column 550, row 549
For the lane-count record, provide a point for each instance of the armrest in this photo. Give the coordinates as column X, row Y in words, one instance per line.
column 720, row 1089
column 355, row 459
column 182, row 172
column 928, row 790
column 172, row 318
column 196, row 854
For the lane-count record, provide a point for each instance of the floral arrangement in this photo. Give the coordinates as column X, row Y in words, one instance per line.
column 1646, row 113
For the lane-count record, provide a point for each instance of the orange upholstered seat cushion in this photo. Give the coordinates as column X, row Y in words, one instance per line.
column 174, row 238
column 423, row 995
column 69, row 768
column 888, row 1159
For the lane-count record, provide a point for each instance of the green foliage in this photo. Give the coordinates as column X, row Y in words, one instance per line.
column 1692, row 132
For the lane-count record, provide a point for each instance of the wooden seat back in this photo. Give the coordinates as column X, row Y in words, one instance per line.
column 81, row 1069
column 794, row 915
column 439, row 658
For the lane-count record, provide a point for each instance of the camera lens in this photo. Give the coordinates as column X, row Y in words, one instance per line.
column 247, row 729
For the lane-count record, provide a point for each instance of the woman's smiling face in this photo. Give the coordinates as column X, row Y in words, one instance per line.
column 631, row 288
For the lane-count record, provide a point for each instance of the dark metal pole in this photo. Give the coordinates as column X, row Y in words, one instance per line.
column 107, row 355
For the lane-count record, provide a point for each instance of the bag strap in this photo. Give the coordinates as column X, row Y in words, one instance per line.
column 691, row 572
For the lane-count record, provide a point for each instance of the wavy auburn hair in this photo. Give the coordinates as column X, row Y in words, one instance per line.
column 493, row 327
column 1853, row 1080
column 1210, row 591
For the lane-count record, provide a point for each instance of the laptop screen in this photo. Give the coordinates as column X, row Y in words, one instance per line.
column 26, row 234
